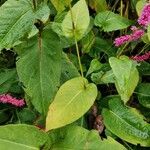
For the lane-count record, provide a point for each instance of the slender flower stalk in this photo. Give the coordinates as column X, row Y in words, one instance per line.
column 141, row 58
column 8, row 99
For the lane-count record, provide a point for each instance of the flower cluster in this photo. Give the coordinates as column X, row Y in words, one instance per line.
column 6, row 98
column 135, row 35
column 144, row 19
column 140, row 58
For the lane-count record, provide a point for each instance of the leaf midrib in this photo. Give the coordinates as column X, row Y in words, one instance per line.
column 126, row 122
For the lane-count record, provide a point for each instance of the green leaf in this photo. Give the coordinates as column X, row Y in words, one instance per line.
column 126, row 76
column 139, row 6
column 42, row 12
column 98, row 5
column 103, row 78
column 144, row 68
column 79, row 17
column 22, row 137
column 126, row 122
column 39, row 68
column 7, row 78
column 68, row 70
column 68, row 138
column 26, row 116
column 110, row 21
column 16, row 19
column 60, row 5
column 87, row 42
column 143, row 91
column 72, row 101
column 94, row 66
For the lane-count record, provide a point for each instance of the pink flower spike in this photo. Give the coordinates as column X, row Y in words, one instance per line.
column 144, row 19
column 6, row 98
column 122, row 40
column 135, row 35
column 141, row 58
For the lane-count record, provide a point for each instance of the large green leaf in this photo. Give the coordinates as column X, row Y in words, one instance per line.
column 143, row 91
column 22, row 137
column 39, row 68
column 126, row 76
column 73, row 100
column 78, row 138
column 16, row 20
column 126, row 122
column 79, row 17
column 110, row 21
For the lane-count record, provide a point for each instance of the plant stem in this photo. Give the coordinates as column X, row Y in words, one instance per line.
column 76, row 43
column 34, row 4
column 122, row 49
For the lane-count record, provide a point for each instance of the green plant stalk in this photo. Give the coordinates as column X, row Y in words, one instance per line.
column 76, row 43
column 121, row 11
column 145, row 47
column 34, row 4
column 122, row 49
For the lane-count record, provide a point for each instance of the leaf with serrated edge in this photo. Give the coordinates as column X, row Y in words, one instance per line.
column 39, row 68
column 126, row 122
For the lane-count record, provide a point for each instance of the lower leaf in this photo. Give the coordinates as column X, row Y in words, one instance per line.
column 126, row 122
column 73, row 100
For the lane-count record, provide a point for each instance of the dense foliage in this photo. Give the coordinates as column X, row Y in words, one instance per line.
column 74, row 74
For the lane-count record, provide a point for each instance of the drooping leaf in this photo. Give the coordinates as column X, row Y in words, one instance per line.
column 73, row 100
column 60, row 5
column 89, row 140
column 16, row 19
column 126, row 76
column 143, row 92
column 79, row 16
column 110, row 21
column 39, row 68
column 7, row 78
column 126, row 122
column 22, row 137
